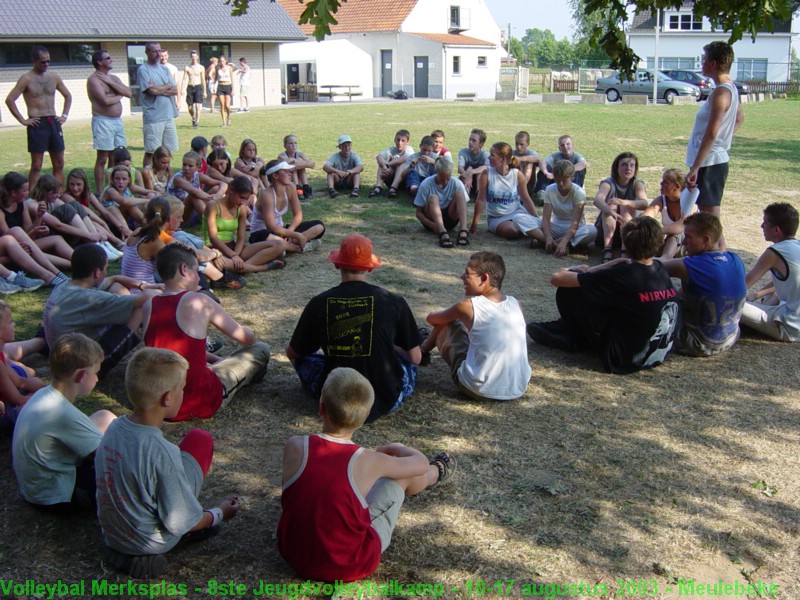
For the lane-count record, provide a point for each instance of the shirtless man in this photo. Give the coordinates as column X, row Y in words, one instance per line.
column 38, row 89
column 105, row 92
column 193, row 84
column 173, row 70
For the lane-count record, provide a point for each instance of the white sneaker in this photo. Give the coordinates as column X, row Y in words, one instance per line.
column 312, row 245
column 112, row 253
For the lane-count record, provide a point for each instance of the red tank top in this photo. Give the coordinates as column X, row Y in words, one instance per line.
column 202, row 395
column 325, row 531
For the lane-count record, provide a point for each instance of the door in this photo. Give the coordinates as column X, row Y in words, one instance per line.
column 136, row 57
column 386, row 72
column 293, row 74
column 215, row 50
column 420, row 76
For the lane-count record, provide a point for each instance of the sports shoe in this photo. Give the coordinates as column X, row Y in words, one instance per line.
column 446, row 466
column 229, row 281
column 312, row 245
column 308, row 193
column 551, row 333
column 58, row 279
column 213, row 345
column 148, row 566
column 110, row 249
column 6, row 287
column 112, row 255
column 25, row 283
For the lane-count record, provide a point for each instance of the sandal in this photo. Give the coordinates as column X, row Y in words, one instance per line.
column 424, row 333
column 376, row 191
column 333, row 193
column 275, row 264
column 608, row 255
column 463, row 237
column 445, row 464
column 355, row 193
column 444, row 240
column 392, row 193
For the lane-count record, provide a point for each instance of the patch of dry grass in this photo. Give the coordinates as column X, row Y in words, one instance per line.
column 590, row 477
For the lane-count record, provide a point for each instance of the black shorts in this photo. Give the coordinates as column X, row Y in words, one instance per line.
column 116, row 341
column 194, row 94
column 46, row 136
column 711, row 183
column 224, row 90
column 448, row 222
column 261, row 236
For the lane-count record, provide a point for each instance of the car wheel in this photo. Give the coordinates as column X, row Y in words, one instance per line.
column 612, row 95
column 669, row 96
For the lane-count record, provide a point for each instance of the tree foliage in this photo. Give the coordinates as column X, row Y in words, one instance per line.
column 603, row 21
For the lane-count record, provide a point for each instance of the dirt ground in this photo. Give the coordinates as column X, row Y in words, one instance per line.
column 688, row 471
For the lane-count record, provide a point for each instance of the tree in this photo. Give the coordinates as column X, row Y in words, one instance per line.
column 737, row 17
column 516, row 49
column 604, row 20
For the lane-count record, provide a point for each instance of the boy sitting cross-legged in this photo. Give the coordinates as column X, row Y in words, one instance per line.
column 481, row 337
column 341, row 502
column 54, row 442
column 147, row 487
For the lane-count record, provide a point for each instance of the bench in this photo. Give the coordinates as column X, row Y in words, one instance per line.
column 465, row 96
column 332, row 91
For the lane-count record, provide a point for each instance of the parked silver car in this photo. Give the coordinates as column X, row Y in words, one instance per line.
column 706, row 84
column 614, row 87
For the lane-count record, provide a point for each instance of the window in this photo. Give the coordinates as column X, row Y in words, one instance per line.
column 456, row 65
column 455, row 17
column 672, row 62
column 751, row 69
column 685, row 22
column 481, row 61
column 62, row 53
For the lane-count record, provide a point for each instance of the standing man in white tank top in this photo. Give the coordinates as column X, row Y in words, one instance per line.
column 714, row 126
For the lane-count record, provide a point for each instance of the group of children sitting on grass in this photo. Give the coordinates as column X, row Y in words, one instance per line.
column 341, row 502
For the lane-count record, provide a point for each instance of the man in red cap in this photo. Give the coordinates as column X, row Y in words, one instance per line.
column 361, row 326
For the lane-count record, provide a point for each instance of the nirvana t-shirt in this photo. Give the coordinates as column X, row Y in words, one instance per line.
column 638, row 305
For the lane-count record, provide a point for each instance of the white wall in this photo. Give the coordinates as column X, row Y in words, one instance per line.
column 339, row 62
column 433, row 16
column 772, row 47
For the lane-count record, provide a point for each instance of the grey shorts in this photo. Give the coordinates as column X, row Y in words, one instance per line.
column 385, row 500
column 108, row 133
column 162, row 133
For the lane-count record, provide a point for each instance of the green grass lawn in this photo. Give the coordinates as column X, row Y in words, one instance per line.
column 590, row 477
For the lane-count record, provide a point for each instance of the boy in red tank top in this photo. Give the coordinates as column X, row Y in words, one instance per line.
column 340, row 501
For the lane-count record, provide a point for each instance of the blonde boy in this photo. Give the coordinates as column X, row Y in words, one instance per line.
column 54, row 442
column 147, row 487
column 341, row 502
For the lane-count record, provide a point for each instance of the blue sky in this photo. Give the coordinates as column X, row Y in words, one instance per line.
column 554, row 15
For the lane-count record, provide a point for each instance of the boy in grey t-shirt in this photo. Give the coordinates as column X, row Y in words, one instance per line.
column 147, row 487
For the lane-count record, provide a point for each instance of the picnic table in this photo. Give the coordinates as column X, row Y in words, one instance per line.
column 348, row 90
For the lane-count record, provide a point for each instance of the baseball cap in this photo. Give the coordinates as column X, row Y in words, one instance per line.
column 355, row 253
column 281, row 166
column 343, row 139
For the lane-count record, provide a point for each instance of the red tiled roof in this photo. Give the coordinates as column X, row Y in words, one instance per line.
column 454, row 39
column 359, row 15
